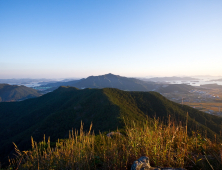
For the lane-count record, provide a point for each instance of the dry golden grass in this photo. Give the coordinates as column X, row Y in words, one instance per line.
column 166, row 146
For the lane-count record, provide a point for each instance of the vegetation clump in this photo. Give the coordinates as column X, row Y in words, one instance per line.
column 165, row 145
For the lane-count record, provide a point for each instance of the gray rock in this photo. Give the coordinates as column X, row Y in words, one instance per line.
column 112, row 134
column 172, row 169
column 142, row 163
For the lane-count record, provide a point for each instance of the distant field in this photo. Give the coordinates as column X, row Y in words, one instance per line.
column 206, row 106
column 216, row 92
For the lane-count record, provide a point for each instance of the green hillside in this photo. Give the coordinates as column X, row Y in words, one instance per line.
column 55, row 113
column 14, row 92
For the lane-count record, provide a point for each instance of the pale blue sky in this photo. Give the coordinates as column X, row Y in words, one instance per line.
column 73, row 38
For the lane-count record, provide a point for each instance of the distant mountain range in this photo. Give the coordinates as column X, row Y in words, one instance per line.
column 57, row 112
column 108, row 81
column 60, row 83
column 174, row 78
column 122, row 83
column 23, row 81
column 15, row 93
column 170, row 88
column 217, row 79
column 211, row 86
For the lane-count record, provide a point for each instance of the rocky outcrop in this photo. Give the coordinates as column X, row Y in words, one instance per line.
column 143, row 163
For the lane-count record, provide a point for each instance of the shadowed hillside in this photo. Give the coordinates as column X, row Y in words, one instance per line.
column 14, row 93
column 55, row 113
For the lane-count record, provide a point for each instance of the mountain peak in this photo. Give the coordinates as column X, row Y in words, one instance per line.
column 110, row 74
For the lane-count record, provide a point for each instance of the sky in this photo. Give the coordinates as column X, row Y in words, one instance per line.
column 133, row 38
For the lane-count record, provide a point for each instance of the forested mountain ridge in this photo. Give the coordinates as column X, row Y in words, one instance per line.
column 55, row 113
column 15, row 92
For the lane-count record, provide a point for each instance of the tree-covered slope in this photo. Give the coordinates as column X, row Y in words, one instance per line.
column 153, row 104
column 14, row 92
column 55, row 113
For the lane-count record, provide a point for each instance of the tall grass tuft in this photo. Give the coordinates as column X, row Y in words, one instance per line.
column 166, row 146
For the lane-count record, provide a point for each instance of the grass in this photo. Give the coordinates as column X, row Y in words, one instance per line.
column 166, row 146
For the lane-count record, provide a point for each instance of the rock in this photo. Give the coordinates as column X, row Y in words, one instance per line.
column 112, row 134
column 172, row 169
column 142, row 163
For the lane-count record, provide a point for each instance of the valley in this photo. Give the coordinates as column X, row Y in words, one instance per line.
column 205, row 98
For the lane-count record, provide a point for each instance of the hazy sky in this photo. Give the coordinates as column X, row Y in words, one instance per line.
column 79, row 38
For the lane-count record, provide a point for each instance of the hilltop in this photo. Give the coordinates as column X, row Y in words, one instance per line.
column 15, row 93
column 55, row 113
